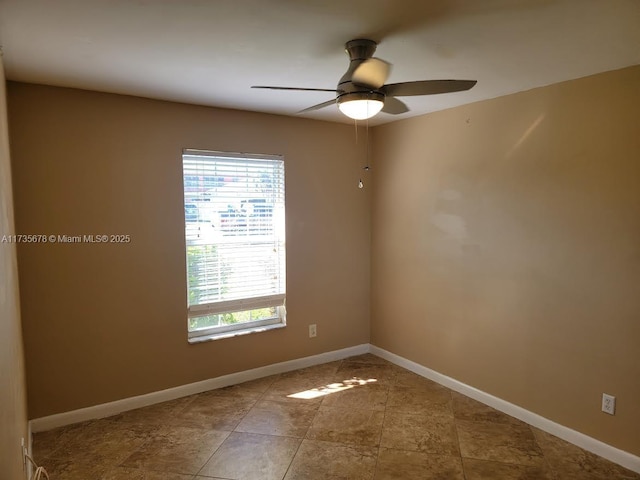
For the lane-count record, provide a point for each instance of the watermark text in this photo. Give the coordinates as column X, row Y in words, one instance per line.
column 51, row 238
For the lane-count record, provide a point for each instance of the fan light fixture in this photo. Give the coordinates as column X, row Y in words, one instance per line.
column 361, row 105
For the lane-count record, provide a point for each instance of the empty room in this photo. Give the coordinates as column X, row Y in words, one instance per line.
column 309, row 240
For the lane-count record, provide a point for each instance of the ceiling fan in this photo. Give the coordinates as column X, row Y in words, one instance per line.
column 361, row 92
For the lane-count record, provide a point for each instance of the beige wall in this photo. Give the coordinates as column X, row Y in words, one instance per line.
column 105, row 322
column 13, row 415
column 506, row 249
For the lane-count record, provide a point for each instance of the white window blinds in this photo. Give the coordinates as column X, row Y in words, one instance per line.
column 235, row 234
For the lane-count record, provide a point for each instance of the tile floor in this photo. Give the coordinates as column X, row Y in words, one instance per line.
column 357, row 419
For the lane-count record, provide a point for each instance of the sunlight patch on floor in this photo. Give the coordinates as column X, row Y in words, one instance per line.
column 331, row 388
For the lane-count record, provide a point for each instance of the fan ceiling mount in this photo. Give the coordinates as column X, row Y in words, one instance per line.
column 361, row 92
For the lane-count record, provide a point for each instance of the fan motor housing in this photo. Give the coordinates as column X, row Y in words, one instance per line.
column 358, row 50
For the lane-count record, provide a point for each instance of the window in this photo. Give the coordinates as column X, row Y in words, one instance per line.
column 235, row 242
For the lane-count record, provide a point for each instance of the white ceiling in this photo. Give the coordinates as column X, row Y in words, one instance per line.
column 210, row 52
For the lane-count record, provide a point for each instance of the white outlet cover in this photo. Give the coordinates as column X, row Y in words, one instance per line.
column 608, row 404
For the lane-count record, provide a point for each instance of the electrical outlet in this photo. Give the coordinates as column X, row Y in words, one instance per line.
column 312, row 330
column 608, row 404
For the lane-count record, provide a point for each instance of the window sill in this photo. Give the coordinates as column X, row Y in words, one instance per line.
column 235, row 333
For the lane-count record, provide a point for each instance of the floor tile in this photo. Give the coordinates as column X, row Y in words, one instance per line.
column 367, row 358
column 430, row 399
column 299, row 390
column 103, row 442
column 177, row 450
column 332, row 461
column 502, row 442
column 324, row 373
column 357, row 427
column 124, row 473
column 68, row 469
column 421, row 433
column 379, row 373
column 214, row 411
column 405, row 378
column 358, row 395
column 465, row 408
column 158, row 414
column 405, row 465
column 277, row 418
column 45, row 443
column 247, row 456
column 251, row 389
column 489, row 470
column 570, row 461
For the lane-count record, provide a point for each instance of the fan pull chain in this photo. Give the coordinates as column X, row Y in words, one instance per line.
column 366, row 164
column 355, row 124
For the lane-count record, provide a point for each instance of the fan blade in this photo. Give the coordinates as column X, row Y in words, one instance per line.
column 318, row 106
column 300, row 89
column 427, row 87
column 372, row 72
column 394, row 106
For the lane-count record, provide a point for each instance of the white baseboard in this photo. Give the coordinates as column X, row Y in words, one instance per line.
column 29, row 450
column 626, row 459
column 118, row 406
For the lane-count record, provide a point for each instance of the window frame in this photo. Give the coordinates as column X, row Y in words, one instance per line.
column 276, row 301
